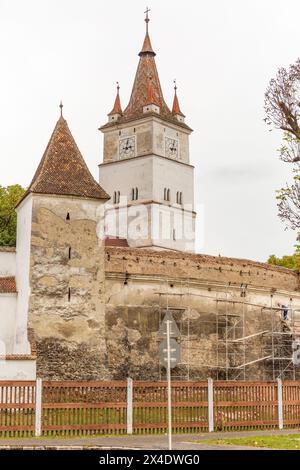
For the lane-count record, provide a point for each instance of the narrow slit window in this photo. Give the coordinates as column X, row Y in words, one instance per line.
column 70, row 252
column 69, row 294
column 136, row 194
column 68, row 216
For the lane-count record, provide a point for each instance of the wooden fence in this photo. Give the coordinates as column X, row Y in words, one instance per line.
column 82, row 408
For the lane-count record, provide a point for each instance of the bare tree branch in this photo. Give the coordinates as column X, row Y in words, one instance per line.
column 282, row 107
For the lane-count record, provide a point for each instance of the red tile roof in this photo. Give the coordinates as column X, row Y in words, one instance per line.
column 176, row 107
column 139, row 95
column 117, row 109
column 147, row 47
column 116, row 241
column 140, row 90
column 7, row 285
column 62, row 170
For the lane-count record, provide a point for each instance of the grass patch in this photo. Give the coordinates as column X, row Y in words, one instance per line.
column 284, row 442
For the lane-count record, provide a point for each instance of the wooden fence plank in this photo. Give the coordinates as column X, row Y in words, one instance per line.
column 79, row 408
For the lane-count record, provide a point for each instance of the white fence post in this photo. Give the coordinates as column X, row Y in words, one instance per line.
column 210, row 390
column 38, row 407
column 280, row 403
column 129, row 405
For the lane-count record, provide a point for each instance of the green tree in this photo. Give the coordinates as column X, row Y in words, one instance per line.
column 291, row 262
column 9, row 197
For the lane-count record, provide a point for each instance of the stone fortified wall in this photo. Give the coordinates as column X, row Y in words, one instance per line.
column 66, row 307
column 212, row 299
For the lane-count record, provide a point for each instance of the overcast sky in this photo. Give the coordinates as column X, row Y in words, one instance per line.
column 223, row 54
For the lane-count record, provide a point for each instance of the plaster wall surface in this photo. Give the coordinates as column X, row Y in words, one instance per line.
column 7, row 262
column 17, row 369
column 24, row 215
column 8, row 303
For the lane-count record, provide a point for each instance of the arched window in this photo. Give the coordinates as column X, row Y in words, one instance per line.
column 168, row 195
column 165, row 194
column 177, row 197
column 132, row 194
column 136, row 194
column 180, row 198
column 118, row 197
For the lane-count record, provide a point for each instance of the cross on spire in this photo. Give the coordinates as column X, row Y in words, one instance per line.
column 175, row 85
column 147, row 19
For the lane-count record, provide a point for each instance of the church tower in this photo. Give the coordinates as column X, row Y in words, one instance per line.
column 146, row 168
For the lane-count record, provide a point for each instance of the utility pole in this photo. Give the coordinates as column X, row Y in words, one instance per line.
column 169, row 355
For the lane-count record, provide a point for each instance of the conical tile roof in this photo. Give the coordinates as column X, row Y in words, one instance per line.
column 62, row 170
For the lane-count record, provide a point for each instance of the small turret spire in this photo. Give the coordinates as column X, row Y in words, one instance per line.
column 117, row 109
column 176, row 108
column 61, row 108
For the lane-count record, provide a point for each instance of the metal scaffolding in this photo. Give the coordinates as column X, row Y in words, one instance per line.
column 237, row 348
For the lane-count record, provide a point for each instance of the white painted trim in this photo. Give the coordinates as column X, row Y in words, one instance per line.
column 280, row 403
column 38, row 407
column 129, row 405
column 210, row 399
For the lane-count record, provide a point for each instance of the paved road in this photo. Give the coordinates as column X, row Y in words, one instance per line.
column 159, row 442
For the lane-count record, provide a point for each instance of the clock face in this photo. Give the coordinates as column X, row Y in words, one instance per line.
column 127, row 147
column 171, row 147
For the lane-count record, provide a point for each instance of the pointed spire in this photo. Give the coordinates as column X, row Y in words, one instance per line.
column 176, row 107
column 61, row 108
column 117, row 109
column 147, row 47
column 62, row 170
column 142, row 90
